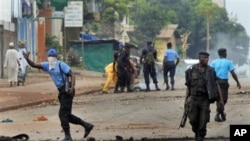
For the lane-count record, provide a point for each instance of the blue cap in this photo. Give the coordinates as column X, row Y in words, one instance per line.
column 52, row 52
column 121, row 44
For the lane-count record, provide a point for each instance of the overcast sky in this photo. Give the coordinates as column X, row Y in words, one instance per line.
column 240, row 8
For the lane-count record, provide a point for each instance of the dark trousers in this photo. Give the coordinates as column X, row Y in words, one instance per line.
column 169, row 68
column 199, row 114
column 224, row 85
column 124, row 78
column 65, row 114
column 149, row 70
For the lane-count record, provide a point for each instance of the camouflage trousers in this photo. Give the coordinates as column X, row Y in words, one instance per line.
column 199, row 114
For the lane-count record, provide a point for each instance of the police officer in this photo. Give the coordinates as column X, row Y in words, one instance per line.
column 123, row 65
column 59, row 72
column 201, row 83
column 222, row 66
column 169, row 65
column 148, row 56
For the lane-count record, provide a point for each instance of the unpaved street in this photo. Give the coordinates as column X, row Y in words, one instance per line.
column 137, row 115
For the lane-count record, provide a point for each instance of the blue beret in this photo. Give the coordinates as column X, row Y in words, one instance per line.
column 52, row 52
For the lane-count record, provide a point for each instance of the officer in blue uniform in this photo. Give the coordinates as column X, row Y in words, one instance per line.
column 60, row 72
column 222, row 67
column 170, row 61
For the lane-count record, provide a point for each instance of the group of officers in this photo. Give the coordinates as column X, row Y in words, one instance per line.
column 206, row 83
column 122, row 71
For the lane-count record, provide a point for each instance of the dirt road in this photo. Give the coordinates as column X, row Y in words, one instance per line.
column 138, row 115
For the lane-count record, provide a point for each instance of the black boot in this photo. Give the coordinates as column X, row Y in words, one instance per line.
column 147, row 88
column 172, row 87
column 217, row 117
column 156, row 87
column 88, row 127
column 67, row 135
column 116, row 88
column 223, row 116
column 67, row 138
column 199, row 138
column 167, row 86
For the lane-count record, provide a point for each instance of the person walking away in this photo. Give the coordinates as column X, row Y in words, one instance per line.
column 64, row 80
column 170, row 61
column 200, row 92
column 222, row 66
column 12, row 64
column 23, row 63
column 147, row 58
column 111, row 74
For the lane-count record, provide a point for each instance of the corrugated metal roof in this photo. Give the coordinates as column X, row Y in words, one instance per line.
column 167, row 31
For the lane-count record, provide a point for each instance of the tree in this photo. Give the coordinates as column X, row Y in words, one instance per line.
column 111, row 7
column 149, row 19
column 208, row 9
column 52, row 42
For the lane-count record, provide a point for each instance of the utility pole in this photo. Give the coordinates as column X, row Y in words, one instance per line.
column 208, row 35
column 83, row 33
column 2, row 49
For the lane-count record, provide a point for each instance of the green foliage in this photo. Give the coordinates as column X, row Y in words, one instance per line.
column 113, row 10
column 150, row 20
column 207, row 9
column 149, row 16
column 52, row 42
column 172, row 17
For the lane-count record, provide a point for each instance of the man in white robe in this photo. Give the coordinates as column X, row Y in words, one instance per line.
column 12, row 64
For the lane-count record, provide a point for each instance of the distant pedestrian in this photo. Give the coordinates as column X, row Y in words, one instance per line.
column 23, row 63
column 148, row 58
column 170, row 61
column 222, row 67
column 201, row 91
column 64, row 80
column 12, row 64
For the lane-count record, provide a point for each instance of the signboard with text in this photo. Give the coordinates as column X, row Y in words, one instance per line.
column 73, row 14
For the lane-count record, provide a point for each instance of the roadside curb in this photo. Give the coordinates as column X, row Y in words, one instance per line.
column 48, row 100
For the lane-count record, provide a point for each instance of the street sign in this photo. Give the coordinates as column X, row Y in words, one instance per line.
column 73, row 14
column 75, row 3
column 58, row 14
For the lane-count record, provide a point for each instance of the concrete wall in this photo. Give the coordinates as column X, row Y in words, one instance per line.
column 5, row 38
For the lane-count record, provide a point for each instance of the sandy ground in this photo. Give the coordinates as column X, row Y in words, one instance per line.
column 155, row 114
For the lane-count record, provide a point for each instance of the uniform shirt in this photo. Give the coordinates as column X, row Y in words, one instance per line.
column 55, row 73
column 149, row 49
column 170, row 55
column 222, row 66
column 123, row 60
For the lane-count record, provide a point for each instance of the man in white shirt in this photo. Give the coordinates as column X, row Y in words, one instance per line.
column 12, row 64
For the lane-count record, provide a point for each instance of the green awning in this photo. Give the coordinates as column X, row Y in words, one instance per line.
column 38, row 2
column 59, row 4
